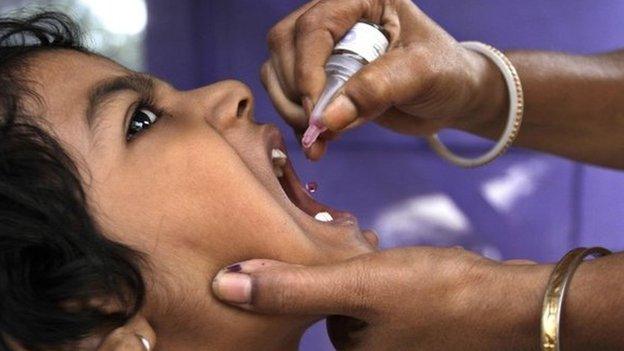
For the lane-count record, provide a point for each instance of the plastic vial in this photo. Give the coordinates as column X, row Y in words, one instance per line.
column 363, row 44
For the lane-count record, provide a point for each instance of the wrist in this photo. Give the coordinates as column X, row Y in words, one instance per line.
column 506, row 304
column 490, row 98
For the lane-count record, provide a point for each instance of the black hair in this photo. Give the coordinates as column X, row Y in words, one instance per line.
column 54, row 260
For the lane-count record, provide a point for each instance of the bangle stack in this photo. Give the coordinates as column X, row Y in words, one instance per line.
column 555, row 294
column 514, row 119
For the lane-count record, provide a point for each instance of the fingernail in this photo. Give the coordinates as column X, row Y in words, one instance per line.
column 340, row 113
column 233, row 287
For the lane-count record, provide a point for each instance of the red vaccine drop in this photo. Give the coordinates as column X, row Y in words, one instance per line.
column 312, row 187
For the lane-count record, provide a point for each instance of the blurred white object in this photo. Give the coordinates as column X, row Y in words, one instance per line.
column 113, row 28
column 125, row 17
column 431, row 219
column 426, row 218
column 518, row 182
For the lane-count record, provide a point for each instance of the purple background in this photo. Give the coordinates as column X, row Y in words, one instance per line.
column 525, row 205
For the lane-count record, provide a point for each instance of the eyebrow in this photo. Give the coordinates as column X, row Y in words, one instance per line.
column 141, row 84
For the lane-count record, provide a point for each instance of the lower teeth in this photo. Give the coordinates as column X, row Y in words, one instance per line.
column 279, row 172
column 324, row 217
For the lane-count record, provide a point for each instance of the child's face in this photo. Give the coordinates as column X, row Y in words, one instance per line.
column 195, row 191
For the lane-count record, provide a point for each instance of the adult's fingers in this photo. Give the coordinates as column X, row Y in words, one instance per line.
column 316, row 33
column 320, row 146
column 284, row 68
column 519, row 262
column 316, row 151
column 279, row 288
column 405, row 123
column 281, row 40
column 392, row 80
column 292, row 113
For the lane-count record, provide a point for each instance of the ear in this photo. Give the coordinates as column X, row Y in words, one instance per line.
column 136, row 335
column 127, row 338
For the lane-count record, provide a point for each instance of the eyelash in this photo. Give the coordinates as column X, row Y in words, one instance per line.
column 145, row 103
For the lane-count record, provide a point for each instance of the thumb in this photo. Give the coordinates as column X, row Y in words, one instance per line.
column 274, row 287
column 389, row 81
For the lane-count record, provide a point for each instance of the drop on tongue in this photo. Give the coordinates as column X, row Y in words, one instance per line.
column 312, row 187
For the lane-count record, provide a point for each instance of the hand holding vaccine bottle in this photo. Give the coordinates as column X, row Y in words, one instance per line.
column 363, row 44
column 424, row 82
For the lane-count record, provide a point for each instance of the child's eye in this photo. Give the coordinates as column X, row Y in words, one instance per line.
column 141, row 119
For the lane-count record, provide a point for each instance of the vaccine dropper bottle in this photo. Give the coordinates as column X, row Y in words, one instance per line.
column 363, row 44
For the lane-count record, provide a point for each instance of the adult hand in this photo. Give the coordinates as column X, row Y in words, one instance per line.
column 403, row 299
column 423, row 83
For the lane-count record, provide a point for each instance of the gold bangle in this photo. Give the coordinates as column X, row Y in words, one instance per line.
column 555, row 294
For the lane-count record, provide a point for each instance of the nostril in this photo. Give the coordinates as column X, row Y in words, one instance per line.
column 242, row 108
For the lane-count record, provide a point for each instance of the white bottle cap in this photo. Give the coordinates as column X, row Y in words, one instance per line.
column 364, row 40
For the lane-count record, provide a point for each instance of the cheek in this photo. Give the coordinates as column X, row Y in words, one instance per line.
column 198, row 201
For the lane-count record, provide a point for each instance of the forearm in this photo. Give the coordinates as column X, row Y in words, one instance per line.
column 574, row 106
column 592, row 315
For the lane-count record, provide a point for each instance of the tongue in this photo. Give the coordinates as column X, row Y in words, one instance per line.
column 297, row 194
column 301, row 198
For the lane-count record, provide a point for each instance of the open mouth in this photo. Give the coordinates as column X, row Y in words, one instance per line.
column 296, row 191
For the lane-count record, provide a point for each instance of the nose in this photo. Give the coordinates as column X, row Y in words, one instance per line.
column 222, row 104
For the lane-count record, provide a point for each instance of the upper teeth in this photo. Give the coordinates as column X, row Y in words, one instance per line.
column 278, row 157
column 324, row 217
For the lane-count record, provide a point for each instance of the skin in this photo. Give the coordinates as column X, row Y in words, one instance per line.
column 441, row 299
column 427, row 82
column 194, row 192
column 431, row 299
